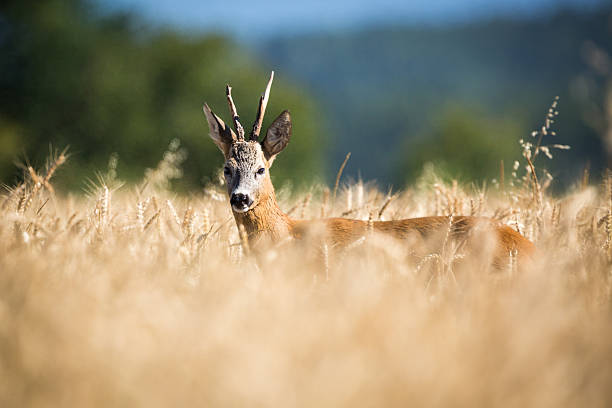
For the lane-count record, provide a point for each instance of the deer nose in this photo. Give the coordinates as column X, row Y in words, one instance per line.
column 240, row 201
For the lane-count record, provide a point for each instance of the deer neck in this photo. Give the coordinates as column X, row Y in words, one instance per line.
column 266, row 220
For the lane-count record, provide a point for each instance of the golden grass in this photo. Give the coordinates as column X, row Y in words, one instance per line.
column 136, row 297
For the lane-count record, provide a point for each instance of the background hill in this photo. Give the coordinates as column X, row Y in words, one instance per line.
column 387, row 92
column 459, row 94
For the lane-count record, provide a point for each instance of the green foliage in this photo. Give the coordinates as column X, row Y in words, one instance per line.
column 462, row 144
column 105, row 84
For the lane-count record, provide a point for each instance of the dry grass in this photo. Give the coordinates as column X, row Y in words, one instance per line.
column 135, row 297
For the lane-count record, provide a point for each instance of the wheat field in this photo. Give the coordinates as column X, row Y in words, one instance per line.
column 134, row 296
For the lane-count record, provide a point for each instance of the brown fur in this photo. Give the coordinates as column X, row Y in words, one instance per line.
column 268, row 222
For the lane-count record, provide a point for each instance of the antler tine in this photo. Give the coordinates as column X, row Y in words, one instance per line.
column 261, row 109
column 234, row 113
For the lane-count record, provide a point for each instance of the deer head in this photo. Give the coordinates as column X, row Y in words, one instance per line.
column 248, row 161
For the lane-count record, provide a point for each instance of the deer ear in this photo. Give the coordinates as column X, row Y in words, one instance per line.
column 277, row 136
column 220, row 133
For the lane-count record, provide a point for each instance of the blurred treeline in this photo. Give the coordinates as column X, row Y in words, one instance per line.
column 461, row 96
column 396, row 97
column 103, row 84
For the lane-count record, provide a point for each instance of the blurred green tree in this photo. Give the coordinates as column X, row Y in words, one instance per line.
column 462, row 145
column 107, row 83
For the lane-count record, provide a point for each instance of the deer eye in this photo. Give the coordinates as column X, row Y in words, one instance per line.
column 227, row 171
column 261, row 171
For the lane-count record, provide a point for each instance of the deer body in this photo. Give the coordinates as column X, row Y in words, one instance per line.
column 268, row 223
column 255, row 207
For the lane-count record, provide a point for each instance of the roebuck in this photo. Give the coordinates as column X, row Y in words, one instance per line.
column 253, row 202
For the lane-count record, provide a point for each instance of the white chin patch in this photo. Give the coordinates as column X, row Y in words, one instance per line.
column 242, row 209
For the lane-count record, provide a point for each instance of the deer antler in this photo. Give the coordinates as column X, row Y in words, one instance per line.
column 234, row 113
column 261, row 109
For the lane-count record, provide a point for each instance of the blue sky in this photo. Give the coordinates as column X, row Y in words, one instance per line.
column 255, row 18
